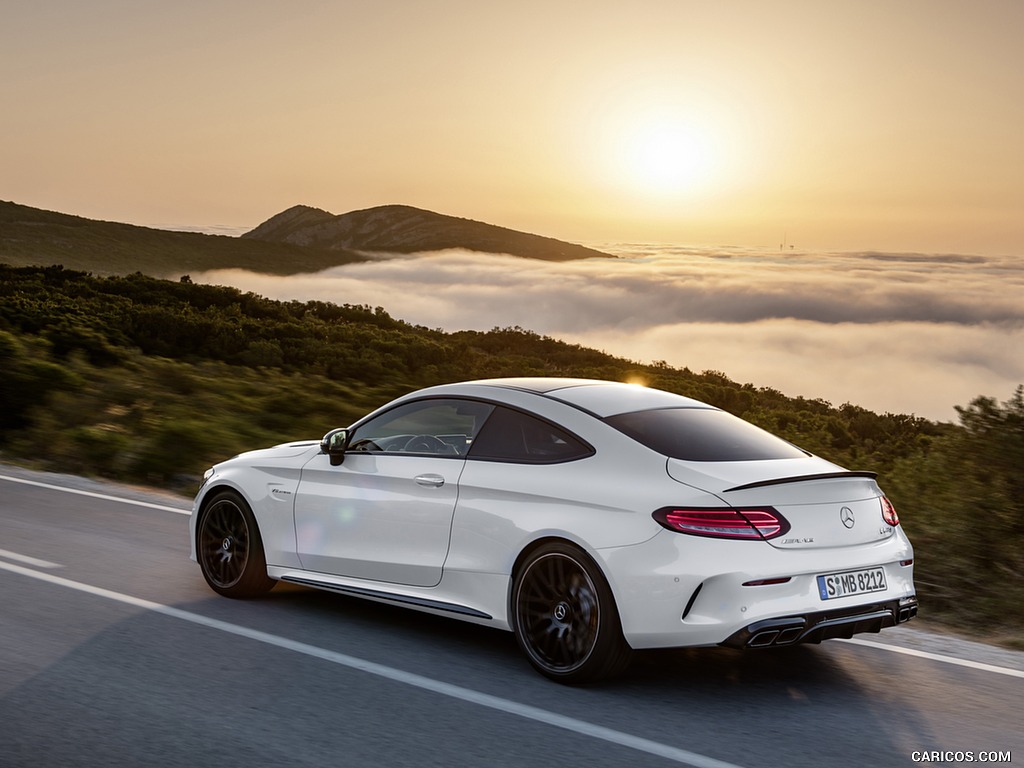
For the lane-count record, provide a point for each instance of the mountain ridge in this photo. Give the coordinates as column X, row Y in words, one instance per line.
column 406, row 229
column 300, row 239
column 35, row 237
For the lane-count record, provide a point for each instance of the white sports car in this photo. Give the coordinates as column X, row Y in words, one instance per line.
column 590, row 518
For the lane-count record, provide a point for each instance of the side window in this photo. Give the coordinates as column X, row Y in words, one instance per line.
column 514, row 436
column 431, row 427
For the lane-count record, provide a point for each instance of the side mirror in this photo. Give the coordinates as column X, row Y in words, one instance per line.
column 334, row 444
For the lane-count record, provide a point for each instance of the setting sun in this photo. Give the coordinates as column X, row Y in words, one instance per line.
column 663, row 147
column 668, row 156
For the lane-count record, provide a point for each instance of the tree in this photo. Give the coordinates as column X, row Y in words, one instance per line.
column 962, row 502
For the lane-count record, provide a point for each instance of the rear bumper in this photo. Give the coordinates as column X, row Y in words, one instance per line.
column 824, row 625
column 678, row 591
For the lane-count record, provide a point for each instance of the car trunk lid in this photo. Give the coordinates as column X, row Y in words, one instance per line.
column 825, row 505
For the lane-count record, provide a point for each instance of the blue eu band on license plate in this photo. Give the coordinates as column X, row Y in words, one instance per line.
column 834, row 585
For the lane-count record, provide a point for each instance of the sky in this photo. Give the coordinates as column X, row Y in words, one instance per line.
column 869, row 125
column 898, row 333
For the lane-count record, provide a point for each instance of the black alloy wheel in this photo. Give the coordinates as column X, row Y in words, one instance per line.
column 229, row 548
column 565, row 618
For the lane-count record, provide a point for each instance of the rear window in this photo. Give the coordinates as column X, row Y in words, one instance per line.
column 702, row 434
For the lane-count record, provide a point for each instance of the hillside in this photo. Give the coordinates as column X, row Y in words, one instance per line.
column 30, row 236
column 403, row 229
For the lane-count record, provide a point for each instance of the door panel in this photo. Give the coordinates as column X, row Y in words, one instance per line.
column 377, row 516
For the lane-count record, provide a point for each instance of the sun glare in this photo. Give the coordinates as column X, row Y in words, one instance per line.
column 663, row 146
column 667, row 156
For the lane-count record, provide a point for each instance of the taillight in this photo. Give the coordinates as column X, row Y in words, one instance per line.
column 889, row 513
column 728, row 523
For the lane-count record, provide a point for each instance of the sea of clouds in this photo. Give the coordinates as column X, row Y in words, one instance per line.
column 893, row 332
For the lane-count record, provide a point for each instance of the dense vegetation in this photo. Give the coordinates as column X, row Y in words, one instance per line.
column 964, row 510
column 149, row 380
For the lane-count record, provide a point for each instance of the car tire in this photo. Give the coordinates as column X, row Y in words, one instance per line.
column 229, row 548
column 564, row 617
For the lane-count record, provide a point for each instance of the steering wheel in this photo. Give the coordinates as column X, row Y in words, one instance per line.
column 425, row 444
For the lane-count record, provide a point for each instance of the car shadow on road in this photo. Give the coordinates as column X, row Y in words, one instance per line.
column 823, row 699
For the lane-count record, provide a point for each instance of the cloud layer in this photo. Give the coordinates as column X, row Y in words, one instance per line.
column 912, row 333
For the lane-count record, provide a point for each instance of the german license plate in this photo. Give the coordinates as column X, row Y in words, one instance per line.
column 833, row 585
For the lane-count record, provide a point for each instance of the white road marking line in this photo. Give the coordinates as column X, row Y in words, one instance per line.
column 1009, row 672
column 525, row 711
column 855, row 641
column 93, row 495
column 33, row 561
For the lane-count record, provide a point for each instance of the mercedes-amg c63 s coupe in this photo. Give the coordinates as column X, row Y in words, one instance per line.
column 590, row 518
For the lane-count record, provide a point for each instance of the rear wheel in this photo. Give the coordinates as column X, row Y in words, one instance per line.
column 564, row 617
column 229, row 548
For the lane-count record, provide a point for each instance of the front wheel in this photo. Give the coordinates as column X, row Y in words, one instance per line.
column 564, row 617
column 229, row 548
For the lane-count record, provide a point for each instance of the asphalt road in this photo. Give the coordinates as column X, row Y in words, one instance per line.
column 113, row 652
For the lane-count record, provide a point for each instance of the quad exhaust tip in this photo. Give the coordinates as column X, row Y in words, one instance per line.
column 813, row 628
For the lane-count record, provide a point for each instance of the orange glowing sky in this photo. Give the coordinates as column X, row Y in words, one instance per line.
column 838, row 125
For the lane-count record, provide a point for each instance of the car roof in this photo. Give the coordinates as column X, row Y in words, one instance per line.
column 540, row 384
column 602, row 398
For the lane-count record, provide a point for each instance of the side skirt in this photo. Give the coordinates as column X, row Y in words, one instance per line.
column 391, row 597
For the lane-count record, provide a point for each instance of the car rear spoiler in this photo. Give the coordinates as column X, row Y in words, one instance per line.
column 801, row 479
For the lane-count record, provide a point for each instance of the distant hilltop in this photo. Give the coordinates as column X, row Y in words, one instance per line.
column 404, row 229
column 33, row 237
column 301, row 239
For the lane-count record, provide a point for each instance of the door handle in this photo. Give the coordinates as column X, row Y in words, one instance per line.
column 430, row 481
